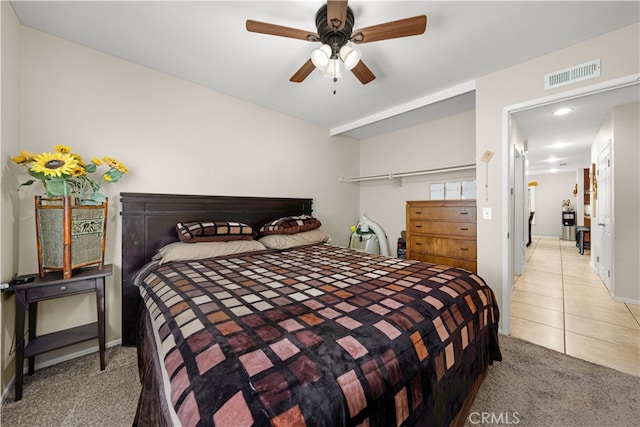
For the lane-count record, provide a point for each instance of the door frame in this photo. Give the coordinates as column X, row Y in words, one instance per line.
column 508, row 226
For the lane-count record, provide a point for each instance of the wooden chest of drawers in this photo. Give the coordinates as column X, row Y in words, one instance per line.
column 443, row 232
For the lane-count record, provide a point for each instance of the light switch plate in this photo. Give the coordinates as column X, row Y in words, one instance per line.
column 486, row 213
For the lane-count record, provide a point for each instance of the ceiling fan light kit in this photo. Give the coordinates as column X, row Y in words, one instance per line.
column 349, row 56
column 320, row 56
column 334, row 24
column 325, row 59
column 333, row 70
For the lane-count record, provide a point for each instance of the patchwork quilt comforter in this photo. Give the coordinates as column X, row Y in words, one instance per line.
column 316, row 335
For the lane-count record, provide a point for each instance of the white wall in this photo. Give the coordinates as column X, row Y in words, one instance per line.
column 9, row 145
column 552, row 189
column 445, row 142
column 619, row 52
column 626, row 204
column 175, row 137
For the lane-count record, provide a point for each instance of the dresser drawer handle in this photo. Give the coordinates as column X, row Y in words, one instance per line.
column 63, row 288
column 418, row 226
column 464, row 229
column 464, row 249
column 418, row 212
column 464, row 213
column 418, row 244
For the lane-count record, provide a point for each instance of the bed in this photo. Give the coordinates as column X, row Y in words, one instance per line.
column 314, row 334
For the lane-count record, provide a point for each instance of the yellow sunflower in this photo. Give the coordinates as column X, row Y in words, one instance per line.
column 79, row 159
column 115, row 164
column 24, row 157
column 54, row 164
column 96, row 161
column 62, row 149
column 78, row 171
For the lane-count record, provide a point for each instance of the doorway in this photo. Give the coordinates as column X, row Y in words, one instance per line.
column 518, row 221
column 576, row 314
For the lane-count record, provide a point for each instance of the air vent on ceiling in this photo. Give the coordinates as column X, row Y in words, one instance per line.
column 577, row 73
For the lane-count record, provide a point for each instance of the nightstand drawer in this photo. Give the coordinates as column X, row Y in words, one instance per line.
column 59, row 290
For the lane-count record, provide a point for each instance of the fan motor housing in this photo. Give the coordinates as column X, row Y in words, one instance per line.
column 331, row 36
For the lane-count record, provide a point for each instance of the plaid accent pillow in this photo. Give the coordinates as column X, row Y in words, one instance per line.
column 291, row 225
column 213, row 231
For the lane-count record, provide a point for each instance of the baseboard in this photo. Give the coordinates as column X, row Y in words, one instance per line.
column 57, row 360
column 626, row 300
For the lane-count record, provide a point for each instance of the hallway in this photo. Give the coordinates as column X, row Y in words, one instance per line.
column 561, row 303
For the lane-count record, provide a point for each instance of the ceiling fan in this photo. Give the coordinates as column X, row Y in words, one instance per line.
column 334, row 23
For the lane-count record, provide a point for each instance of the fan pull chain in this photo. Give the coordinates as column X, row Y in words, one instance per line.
column 335, row 75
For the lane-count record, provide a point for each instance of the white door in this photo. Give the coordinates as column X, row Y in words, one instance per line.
column 603, row 216
column 521, row 216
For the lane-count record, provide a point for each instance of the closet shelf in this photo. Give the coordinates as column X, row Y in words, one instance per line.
column 397, row 176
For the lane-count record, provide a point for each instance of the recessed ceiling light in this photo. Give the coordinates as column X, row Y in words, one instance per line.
column 562, row 111
column 559, row 145
column 553, row 170
column 552, row 159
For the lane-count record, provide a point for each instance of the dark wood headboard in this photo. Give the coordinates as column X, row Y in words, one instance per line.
column 149, row 220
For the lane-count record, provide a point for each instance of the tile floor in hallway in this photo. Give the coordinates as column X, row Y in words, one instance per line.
column 561, row 303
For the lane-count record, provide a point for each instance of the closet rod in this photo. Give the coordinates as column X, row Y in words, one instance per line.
column 371, row 177
column 435, row 170
column 395, row 176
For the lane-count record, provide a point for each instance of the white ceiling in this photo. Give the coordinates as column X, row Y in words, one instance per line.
column 563, row 144
column 206, row 42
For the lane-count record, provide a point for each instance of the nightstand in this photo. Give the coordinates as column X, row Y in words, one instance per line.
column 88, row 279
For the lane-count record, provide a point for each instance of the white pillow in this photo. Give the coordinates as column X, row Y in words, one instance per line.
column 181, row 251
column 285, row 241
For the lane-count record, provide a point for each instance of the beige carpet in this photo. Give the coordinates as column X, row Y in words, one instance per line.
column 536, row 386
column 77, row 393
column 533, row 386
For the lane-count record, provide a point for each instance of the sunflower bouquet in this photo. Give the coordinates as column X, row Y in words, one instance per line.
column 63, row 173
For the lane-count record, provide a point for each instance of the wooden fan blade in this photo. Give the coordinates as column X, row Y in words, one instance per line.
column 336, row 14
column 279, row 30
column 363, row 73
column 303, row 72
column 391, row 30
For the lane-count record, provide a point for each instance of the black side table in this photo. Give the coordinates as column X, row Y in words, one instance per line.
column 88, row 279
